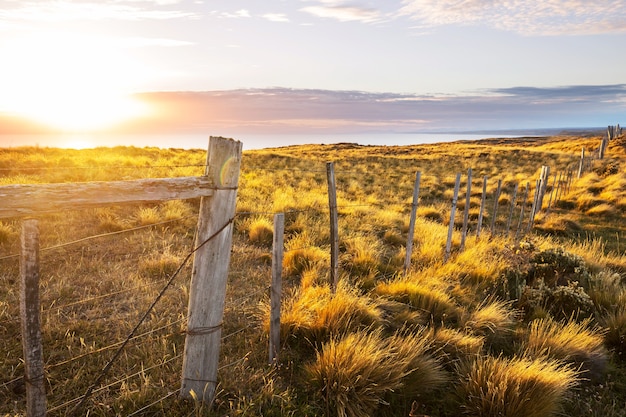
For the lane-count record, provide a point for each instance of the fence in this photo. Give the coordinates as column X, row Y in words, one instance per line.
column 217, row 190
column 561, row 183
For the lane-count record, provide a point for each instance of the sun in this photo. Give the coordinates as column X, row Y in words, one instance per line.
column 68, row 82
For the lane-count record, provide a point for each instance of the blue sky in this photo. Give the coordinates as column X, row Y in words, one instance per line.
column 394, row 64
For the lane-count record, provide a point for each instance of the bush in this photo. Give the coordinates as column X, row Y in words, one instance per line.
column 561, row 302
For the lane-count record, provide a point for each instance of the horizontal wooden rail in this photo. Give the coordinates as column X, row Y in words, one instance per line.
column 30, row 199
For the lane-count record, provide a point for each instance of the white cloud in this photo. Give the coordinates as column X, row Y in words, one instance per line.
column 242, row 13
column 527, row 17
column 344, row 13
column 61, row 11
column 276, row 17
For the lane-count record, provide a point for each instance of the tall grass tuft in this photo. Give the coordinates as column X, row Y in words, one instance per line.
column 516, row 387
column 354, row 375
column 425, row 298
column 577, row 342
column 313, row 314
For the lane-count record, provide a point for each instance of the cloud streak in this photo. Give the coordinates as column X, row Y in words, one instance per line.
column 282, row 110
column 526, row 17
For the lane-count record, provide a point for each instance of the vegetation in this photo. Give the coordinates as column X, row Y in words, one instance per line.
column 527, row 325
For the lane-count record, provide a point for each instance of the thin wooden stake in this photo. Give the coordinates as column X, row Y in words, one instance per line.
column 276, row 291
column 334, row 227
column 210, row 272
column 552, row 192
column 533, row 209
column 409, row 241
column 581, row 164
column 521, row 213
column 495, row 207
column 483, row 200
column 455, row 197
column 31, row 324
column 466, row 209
column 513, row 201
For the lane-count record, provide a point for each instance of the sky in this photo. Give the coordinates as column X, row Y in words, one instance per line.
column 298, row 66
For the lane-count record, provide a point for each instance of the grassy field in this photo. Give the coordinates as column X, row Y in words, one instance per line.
column 528, row 327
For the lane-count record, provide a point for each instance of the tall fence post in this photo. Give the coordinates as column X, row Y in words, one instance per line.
column 581, row 165
column 409, row 240
column 495, row 207
column 455, row 197
column 483, row 199
column 533, row 209
column 334, row 227
column 466, row 209
column 276, row 291
column 30, row 321
column 513, row 201
column 210, row 272
column 521, row 213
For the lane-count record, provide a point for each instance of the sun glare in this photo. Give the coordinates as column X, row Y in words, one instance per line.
column 68, row 82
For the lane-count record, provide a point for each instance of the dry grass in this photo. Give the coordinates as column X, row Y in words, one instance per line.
column 92, row 293
column 516, row 387
column 355, row 375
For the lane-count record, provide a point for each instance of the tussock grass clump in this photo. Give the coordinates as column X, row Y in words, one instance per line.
column 615, row 324
column 354, row 375
column 313, row 314
column 577, row 342
column 425, row 298
column 603, row 209
column 261, row 231
column 161, row 266
column 301, row 254
column 6, row 233
column 454, row 345
column 494, row 320
column 516, row 387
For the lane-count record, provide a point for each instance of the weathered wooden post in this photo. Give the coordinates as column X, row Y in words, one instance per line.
column 276, row 291
column 533, row 209
column 513, row 200
column 521, row 213
column 409, row 241
column 466, row 209
column 483, row 199
column 495, row 207
column 334, row 227
column 210, row 272
column 582, row 163
column 545, row 174
column 455, row 197
column 552, row 192
column 31, row 324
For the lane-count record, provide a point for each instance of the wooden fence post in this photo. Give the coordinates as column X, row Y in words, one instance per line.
column 495, row 207
column 552, row 192
column 545, row 174
column 455, row 197
column 334, row 227
column 210, row 272
column 276, row 291
column 533, row 209
column 581, row 165
column 409, row 241
column 521, row 213
column 482, row 207
column 30, row 321
column 466, row 209
column 513, row 201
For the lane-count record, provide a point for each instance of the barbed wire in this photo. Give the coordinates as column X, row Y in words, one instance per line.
column 103, row 235
column 108, row 366
column 100, row 167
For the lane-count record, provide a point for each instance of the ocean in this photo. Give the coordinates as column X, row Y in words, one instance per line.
column 250, row 141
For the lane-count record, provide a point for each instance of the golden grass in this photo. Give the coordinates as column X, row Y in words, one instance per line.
column 355, row 374
column 496, row 386
column 578, row 342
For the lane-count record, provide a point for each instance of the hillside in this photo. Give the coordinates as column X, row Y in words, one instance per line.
column 534, row 314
